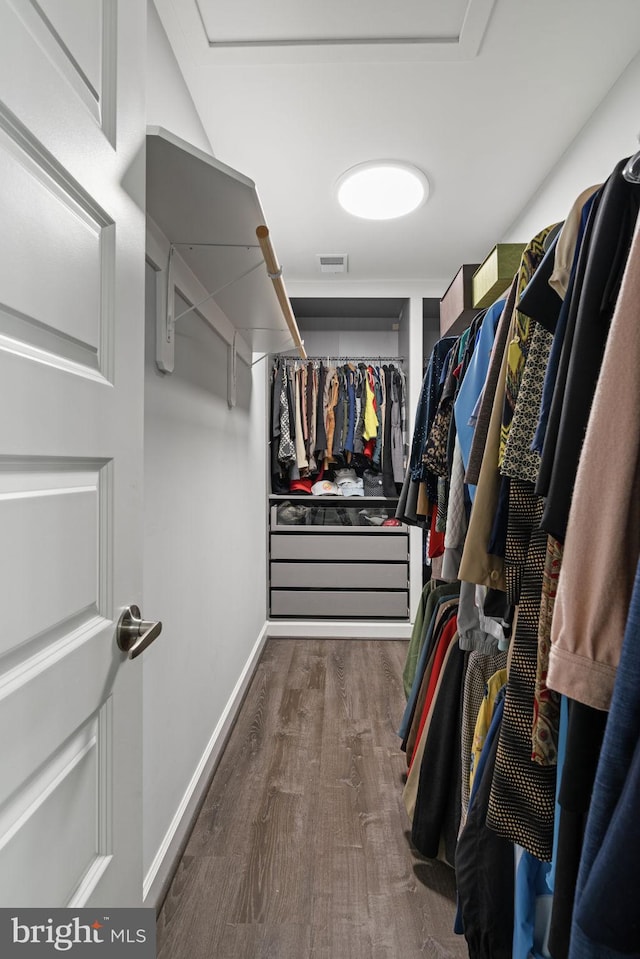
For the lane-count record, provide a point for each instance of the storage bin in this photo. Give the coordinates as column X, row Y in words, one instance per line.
column 494, row 276
column 456, row 306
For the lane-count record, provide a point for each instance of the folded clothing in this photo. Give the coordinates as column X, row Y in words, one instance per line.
column 373, row 517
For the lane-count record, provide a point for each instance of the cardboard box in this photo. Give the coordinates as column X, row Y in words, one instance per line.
column 456, row 306
column 494, row 276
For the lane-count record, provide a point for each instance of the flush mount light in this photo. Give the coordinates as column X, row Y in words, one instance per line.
column 382, row 189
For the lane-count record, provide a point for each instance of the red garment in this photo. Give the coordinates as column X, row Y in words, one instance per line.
column 436, row 540
column 444, row 642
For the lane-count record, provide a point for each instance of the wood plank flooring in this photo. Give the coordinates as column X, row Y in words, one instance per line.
column 301, row 849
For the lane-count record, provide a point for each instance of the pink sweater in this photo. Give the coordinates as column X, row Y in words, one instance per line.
column 603, row 536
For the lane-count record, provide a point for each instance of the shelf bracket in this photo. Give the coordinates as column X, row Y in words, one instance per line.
column 232, row 359
column 165, row 312
column 232, row 372
column 166, row 318
column 225, row 286
column 259, row 360
column 262, row 329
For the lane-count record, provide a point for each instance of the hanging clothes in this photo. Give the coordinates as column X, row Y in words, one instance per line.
column 398, row 426
column 485, row 676
column 443, row 634
column 606, row 915
column 473, row 382
column 331, row 417
column 286, row 450
column 427, row 406
column 559, row 355
column 586, row 634
column 485, row 868
column 436, row 818
column 597, row 288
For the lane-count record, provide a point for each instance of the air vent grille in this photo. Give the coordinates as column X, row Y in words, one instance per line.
column 333, row 262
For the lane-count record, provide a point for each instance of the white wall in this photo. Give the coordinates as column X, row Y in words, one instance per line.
column 169, row 102
column 204, row 559
column 365, row 343
column 610, row 134
column 205, row 534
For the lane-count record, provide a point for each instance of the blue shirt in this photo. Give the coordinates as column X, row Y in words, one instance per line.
column 474, row 379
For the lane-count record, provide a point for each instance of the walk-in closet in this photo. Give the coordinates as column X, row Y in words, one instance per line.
column 319, row 476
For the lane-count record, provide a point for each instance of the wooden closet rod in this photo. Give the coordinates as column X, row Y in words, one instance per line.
column 275, row 275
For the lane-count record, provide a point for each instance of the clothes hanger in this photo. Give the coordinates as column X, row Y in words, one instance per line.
column 631, row 172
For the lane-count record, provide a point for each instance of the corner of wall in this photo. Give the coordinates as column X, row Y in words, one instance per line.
column 169, row 101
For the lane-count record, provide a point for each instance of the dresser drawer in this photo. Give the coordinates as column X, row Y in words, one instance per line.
column 340, row 575
column 340, row 547
column 338, row 604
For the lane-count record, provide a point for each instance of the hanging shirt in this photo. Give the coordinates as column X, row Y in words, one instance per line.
column 559, row 334
column 331, row 390
column 338, row 436
column 321, row 430
column 351, row 409
column 286, row 449
column 483, row 721
column 301, row 455
column 370, row 415
column 566, row 245
column 380, row 406
column 358, row 441
column 518, row 348
column 397, row 441
column 473, row 382
column 312, row 411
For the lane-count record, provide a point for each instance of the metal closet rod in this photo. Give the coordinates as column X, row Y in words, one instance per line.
column 345, row 359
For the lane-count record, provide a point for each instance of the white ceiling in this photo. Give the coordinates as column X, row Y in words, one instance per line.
column 484, row 96
column 304, row 20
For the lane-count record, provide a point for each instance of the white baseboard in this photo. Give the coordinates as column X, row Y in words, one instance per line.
column 337, row 629
column 162, row 868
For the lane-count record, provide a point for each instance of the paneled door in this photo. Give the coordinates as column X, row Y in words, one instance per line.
column 71, row 385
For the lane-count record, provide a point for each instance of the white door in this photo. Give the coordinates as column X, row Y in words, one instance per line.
column 71, row 392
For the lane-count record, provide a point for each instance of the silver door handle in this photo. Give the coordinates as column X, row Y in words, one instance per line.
column 134, row 634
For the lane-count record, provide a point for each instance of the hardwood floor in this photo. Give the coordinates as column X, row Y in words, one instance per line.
column 301, row 849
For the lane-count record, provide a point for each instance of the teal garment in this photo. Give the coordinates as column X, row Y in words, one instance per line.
column 462, row 344
column 416, row 642
column 416, row 638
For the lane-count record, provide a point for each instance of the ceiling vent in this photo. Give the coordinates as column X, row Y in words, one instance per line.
column 333, row 262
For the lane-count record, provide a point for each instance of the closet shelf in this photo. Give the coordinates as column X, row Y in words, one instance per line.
column 209, row 214
column 304, row 529
column 328, row 500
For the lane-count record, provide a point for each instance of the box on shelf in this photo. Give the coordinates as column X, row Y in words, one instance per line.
column 456, row 306
column 494, row 276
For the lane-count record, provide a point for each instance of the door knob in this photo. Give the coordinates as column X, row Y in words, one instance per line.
column 134, row 634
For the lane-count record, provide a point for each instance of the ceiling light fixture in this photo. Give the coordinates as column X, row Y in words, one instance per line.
column 382, row 189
